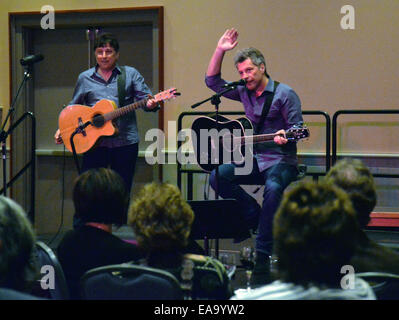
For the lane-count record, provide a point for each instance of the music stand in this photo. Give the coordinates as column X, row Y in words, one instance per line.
column 217, row 219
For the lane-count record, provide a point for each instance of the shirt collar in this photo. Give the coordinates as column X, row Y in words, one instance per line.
column 270, row 85
column 117, row 69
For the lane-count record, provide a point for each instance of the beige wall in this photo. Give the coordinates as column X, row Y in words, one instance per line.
column 302, row 40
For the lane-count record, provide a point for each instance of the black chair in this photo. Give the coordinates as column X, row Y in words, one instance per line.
column 385, row 285
column 45, row 257
column 129, row 282
column 208, row 284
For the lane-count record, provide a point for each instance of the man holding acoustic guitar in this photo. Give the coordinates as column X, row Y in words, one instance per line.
column 97, row 94
column 272, row 107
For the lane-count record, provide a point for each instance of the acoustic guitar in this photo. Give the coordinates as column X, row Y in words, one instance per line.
column 216, row 143
column 87, row 124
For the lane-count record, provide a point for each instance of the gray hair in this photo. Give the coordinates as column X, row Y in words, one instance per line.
column 353, row 176
column 17, row 241
column 254, row 54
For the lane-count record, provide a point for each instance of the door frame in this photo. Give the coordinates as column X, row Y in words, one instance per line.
column 19, row 25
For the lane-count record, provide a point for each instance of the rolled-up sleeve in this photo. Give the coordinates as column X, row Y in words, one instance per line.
column 291, row 109
column 141, row 90
column 216, row 83
column 79, row 92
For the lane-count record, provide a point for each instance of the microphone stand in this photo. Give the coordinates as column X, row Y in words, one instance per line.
column 215, row 100
column 4, row 134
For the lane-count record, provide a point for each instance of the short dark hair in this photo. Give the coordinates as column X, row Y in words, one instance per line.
column 254, row 54
column 353, row 176
column 315, row 232
column 99, row 195
column 106, row 38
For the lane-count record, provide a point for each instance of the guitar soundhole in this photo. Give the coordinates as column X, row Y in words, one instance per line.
column 98, row 120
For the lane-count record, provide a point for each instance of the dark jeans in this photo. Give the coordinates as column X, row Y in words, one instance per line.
column 120, row 159
column 275, row 179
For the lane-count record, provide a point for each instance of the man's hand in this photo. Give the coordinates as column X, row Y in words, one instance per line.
column 280, row 137
column 151, row 102
column 228, row 41
column 57, row 137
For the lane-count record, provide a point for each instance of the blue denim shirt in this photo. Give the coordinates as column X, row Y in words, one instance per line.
column 285, row 112
column 91, row 87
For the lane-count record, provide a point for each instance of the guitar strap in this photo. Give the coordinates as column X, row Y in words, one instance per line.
column 266, row 108
column 121, row 87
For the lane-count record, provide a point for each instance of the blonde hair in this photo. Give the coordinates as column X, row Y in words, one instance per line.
column 161, row 219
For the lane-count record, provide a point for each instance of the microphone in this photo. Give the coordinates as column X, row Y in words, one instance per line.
column 241, row 82
column 29, row 60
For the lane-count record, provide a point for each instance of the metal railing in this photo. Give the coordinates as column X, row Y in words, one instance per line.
column 335, row 134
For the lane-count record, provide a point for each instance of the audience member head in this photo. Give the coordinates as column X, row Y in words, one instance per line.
column 314, row 234
column 357, row 181
column 161, row 219
column 17, row 241
column 99, row 195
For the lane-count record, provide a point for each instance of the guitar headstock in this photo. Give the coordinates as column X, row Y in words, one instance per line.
column 298, row 133
column 166, row 95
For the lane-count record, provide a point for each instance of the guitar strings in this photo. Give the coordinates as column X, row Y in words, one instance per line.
column 162, row 96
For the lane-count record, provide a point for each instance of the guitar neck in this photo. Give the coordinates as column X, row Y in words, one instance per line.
column 125, row 110
column 256, row 138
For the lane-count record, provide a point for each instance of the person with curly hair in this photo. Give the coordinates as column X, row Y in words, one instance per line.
column 161, row 220
column 314, row 236
column 353, row 176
